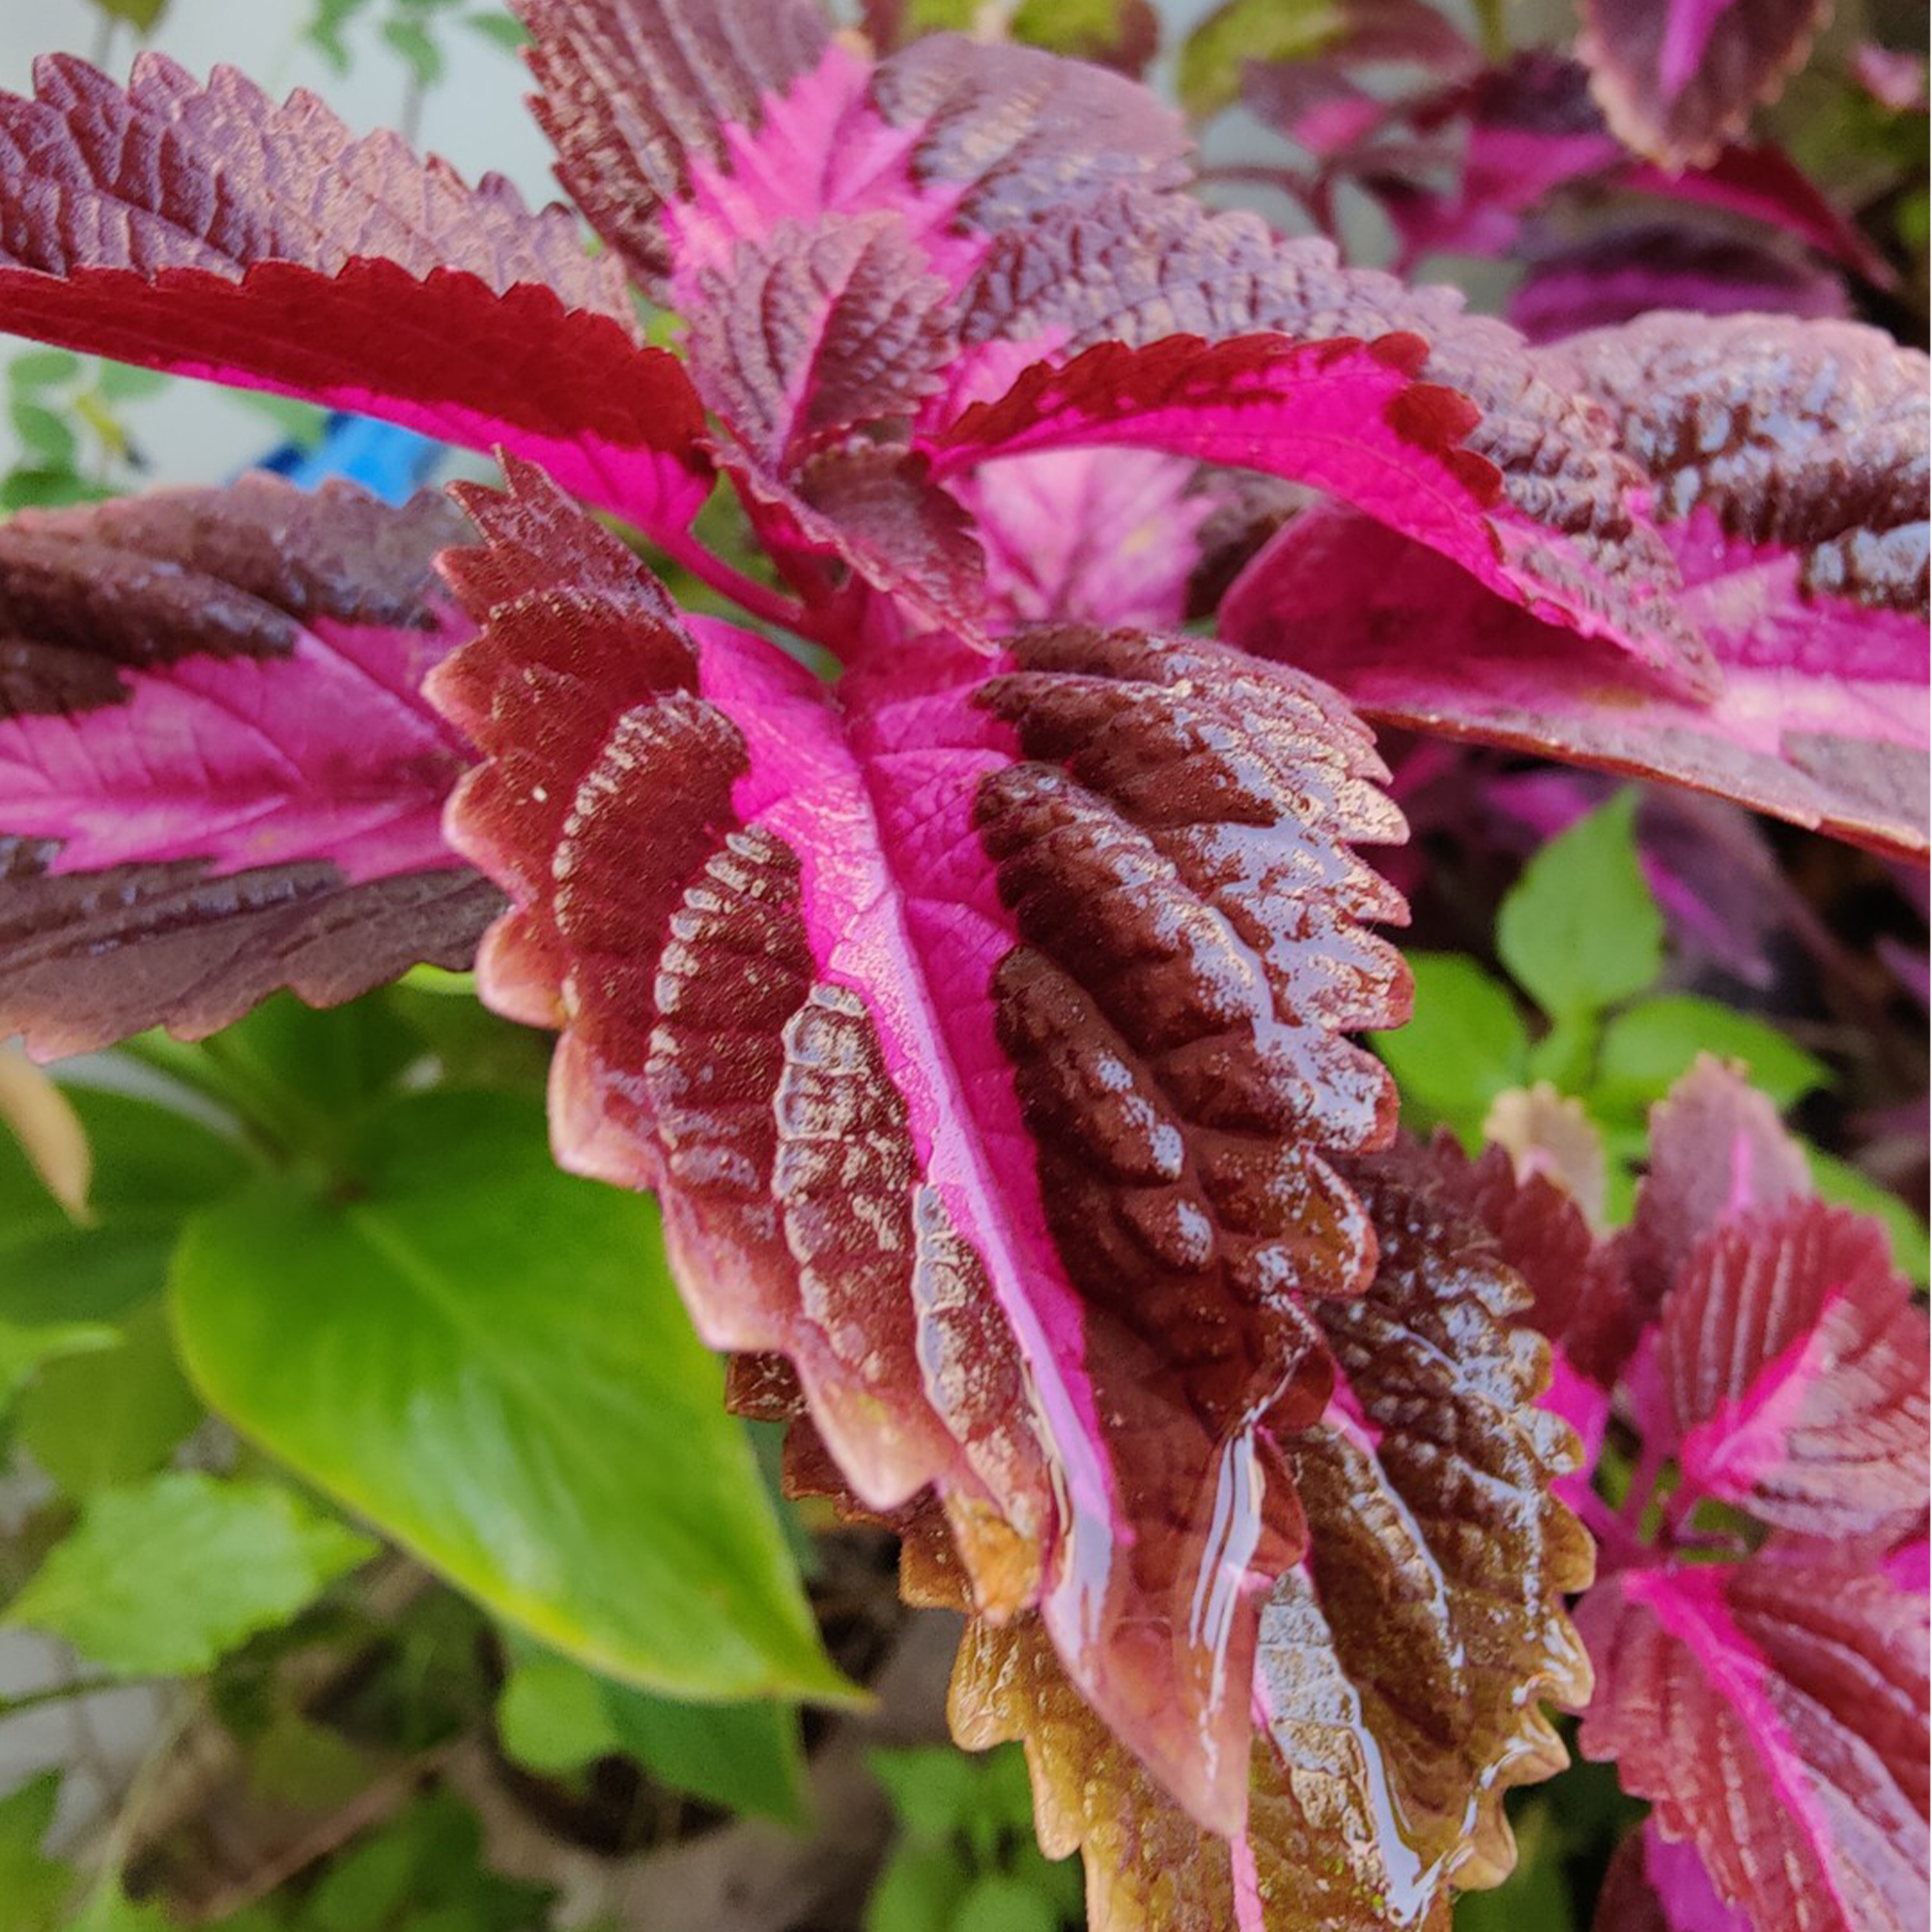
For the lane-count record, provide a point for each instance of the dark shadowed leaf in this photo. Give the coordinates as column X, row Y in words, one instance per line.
column 1679, row 77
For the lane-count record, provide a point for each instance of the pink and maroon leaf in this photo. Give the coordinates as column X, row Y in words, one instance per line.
column 1788, row 460
column 1773, row 1712
column 208, row 231
column 981, row 1032
column 1566, row 508
column 1794, row 1363
column 217, row 775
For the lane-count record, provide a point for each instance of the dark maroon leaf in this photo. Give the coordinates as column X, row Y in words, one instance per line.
column 989, row 1015
column 1399, row 1666
column 1628, row 271
column 217, row 775
column 1678, row 78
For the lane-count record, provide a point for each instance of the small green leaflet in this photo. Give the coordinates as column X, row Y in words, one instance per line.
column 33, row 1887
column 1581, row 930
column 1466, row 1043
column 556, row 1717
column 163, row 1577
column 1647, row 1048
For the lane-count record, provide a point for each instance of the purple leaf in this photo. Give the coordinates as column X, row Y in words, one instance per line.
column 1789, row 464
column 1399, row 1666
column 217, row 774
column 1794, row 1363
column 183, row 228
column 1625, row 273
column 1773, row 1712
column 1678, row 78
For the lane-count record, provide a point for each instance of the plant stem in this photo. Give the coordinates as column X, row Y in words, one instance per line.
column 61, row 1694
column 706, row 565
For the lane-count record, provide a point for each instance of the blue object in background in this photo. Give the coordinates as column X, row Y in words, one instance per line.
column 389, row 462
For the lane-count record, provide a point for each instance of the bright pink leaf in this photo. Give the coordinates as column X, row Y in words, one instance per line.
column 1794, row 1362
column 212, row 233
column 1097, row 536
column 1789, row 461
column 217, row 775
column 1773, row 1712
column 1344, row 417
column 1678, row 78
column 1138, row 268
column 988, row 1019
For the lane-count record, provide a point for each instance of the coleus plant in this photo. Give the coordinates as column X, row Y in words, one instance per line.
column 980, row 1012
column 1757, row 1626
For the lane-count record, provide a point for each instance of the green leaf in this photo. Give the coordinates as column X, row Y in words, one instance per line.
column 1213, row 55
column 934, row 1788
column 162, row 1577
column 507, row 33
column 95, row 1419
column 47, row 490
column 1581, row 930
column 919, row 1890
column 310, row 1075
column 41, row 369
column 1466, row 1043
column 33, row 1887
column 109, row 1908
column 152, row 1167
column 1647, row 1048
column 423, row 1869
column 998, row 1903
column 44, row 435
column 124, row 382
column 1838, row 1180
column 485, row 1358
column 420, row 53
column 22, row 1349
column 746, row 1757
column 550, row 1714
column 144, row 15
